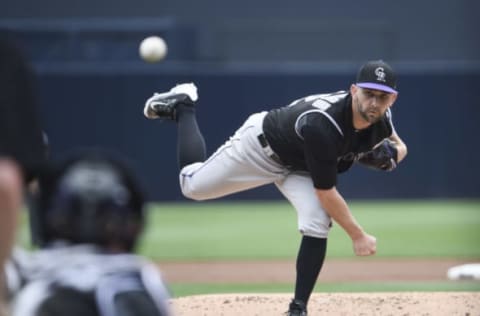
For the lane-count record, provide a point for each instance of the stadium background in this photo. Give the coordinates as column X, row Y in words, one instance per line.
column 247, row 56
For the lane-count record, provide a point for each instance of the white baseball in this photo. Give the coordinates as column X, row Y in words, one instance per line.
column 153, row 49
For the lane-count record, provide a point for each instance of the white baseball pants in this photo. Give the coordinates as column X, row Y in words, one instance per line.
column 241, row 164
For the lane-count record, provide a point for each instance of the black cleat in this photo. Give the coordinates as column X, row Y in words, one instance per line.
column 297, row 308
column 162, row 105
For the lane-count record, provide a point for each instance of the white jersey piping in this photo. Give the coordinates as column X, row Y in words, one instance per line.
column 328, row 116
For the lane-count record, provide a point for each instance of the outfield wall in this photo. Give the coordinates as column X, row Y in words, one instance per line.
column 92, row 86
column 437, row 115
column 280, row 30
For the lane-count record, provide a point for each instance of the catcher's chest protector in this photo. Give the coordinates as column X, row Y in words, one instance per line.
column 65, row 301
column 73, row 281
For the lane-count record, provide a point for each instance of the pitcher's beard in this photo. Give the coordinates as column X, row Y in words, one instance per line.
column 372, row 119
column 364, row 114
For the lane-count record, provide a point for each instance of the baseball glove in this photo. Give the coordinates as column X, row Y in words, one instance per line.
column 381, row 157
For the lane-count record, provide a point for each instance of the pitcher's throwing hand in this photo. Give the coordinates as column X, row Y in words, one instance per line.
column 365, row 245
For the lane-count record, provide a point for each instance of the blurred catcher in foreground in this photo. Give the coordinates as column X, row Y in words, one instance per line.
column 87, row 217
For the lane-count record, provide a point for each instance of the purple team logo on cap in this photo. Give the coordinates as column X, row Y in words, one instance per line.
column 380, row 72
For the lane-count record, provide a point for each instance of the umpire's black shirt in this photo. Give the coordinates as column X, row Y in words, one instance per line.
column 316, row 134
column 20, row 133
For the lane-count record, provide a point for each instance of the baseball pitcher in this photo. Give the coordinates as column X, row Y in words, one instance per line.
column 300, row 148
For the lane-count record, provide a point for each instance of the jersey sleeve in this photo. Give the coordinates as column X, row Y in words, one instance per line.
column 389, row 122
column 321, row 140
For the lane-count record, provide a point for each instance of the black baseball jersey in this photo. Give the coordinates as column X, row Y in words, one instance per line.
column 316, row 134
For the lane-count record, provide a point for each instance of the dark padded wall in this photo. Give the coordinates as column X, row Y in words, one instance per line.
column 435, row 115
column 247, row 56
column 342, row 30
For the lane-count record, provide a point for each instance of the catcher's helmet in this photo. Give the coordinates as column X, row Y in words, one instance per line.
column 91, row 198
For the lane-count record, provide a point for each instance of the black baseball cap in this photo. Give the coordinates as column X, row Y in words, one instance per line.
column 377, row 75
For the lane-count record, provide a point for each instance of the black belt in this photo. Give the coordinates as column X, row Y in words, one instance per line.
column 268, row 150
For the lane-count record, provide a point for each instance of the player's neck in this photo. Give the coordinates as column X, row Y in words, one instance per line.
column 360, row 124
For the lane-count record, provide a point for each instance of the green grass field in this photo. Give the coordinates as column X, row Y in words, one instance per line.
column 205, row 231
column 243, row 231
column 184, row 289
column 268, row 231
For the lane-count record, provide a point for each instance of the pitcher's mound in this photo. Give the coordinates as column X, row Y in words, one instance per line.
column 348, row 304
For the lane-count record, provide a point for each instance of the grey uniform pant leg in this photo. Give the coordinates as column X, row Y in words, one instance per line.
column 298, row 188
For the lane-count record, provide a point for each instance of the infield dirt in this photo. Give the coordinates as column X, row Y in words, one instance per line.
column 358, row 269
column 345, row 304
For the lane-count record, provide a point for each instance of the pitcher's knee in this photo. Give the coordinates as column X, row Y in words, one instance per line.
column 189, row 186
column 312, row 233
column 312, row 229
column 192, row 193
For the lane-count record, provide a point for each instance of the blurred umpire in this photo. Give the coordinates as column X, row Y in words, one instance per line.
column 87, row 217
column 21, row 145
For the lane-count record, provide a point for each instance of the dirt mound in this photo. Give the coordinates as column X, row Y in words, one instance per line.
column 347, row 304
